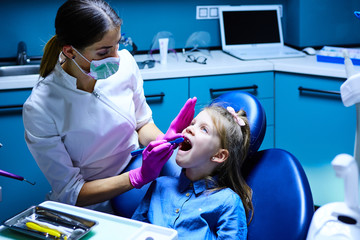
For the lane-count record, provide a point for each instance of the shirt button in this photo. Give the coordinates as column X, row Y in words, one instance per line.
column 188, row 194
column 177, row 210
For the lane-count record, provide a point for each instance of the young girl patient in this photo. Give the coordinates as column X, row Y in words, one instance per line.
column 210, row 199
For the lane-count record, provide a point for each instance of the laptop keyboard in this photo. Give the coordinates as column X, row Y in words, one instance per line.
column 263, row 53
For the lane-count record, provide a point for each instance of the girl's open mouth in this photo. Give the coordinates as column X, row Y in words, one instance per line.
column 185, row 145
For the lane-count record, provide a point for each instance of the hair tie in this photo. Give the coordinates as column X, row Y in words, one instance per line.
column 237, row 119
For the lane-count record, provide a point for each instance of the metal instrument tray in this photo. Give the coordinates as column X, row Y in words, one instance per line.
column 73, row 227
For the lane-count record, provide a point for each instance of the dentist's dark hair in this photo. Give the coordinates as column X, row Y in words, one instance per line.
column 79, row 23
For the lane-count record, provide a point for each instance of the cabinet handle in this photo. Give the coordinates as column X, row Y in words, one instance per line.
column 302, row 89
column 212, row 91
column 160, row 95
column 155, row 97
column 10, row 106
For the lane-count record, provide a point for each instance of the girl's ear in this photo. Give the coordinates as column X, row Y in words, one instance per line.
column 220, row 156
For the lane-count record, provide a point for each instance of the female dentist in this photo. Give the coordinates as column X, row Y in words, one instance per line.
column 88, row 111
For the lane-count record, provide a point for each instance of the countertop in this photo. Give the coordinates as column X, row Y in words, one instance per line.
column 218, row 63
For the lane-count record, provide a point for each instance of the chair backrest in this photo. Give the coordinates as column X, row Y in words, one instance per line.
column 254, row 110
column 282, row 199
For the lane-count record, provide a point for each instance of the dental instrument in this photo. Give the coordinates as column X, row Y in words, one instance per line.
column 139, row 151
column 62, row 230
column 50, row 231
column 14, row 176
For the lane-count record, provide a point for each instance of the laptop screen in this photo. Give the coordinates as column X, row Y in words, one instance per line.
column 249, row 25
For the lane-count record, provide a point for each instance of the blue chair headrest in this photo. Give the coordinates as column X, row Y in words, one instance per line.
column 254, row 110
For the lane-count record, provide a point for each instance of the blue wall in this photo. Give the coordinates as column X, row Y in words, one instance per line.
column 322, row 22
column 305, row 22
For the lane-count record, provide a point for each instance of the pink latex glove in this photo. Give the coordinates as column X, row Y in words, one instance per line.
column 155, row 156
column 182, row 120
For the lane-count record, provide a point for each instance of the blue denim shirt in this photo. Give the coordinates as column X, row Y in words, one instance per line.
column 178, row 203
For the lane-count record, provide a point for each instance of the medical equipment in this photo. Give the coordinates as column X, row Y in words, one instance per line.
column 47, row 223
column 341, row 220
column 198, row 41
column 140, row 151
column 17, row 177
column 335, row 55
column 99, row 69
column 46, row 230
column 14, row 176
column 127, row 43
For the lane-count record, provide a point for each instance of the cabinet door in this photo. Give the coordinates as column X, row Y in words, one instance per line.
column 313, row 124
column 16, row 158
column 166, row 98
column 259, row 84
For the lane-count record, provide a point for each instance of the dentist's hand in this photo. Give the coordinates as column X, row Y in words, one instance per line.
column 155, row 156
column 182, row 120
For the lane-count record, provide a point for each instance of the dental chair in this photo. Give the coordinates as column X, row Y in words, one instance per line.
column 283, row 204
column 282, row 199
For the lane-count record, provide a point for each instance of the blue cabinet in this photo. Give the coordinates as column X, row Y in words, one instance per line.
column 313, row 124
column 259, row 84
column 16, row 158
column 166, row 98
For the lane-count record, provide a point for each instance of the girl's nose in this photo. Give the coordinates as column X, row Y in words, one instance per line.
column 190, row 130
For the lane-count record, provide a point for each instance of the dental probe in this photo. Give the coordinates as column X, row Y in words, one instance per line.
column 11, row 175
column 139, row 151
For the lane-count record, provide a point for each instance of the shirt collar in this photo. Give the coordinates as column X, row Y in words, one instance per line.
column 65, row 79
column 198, row 186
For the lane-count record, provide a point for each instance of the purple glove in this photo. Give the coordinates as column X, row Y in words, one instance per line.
column 182, row 120
column 155, row 156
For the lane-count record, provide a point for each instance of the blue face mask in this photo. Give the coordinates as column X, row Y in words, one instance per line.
column 100, row 69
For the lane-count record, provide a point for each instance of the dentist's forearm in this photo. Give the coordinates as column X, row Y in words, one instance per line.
column 101, row 190
column 148, row 133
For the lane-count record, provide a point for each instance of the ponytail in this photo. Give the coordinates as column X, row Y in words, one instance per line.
column 51, row 55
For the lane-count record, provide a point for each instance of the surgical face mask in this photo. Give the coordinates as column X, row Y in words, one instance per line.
column 100, row 69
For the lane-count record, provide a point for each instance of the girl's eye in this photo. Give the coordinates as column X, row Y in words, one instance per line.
column 204, row 129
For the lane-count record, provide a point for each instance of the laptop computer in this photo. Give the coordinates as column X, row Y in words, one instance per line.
column 252, row 32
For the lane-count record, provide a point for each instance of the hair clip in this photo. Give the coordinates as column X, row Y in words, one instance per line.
column 236, row 117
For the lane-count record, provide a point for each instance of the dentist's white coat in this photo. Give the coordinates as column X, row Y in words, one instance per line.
column 76, row 136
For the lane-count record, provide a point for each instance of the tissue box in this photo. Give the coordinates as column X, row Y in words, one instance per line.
column 335, row 55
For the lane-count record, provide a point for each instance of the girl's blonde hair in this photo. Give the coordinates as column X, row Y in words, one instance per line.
column 236, row 139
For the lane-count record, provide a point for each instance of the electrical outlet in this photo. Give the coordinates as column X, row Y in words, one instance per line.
column 208, row 12
column 212, row 12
